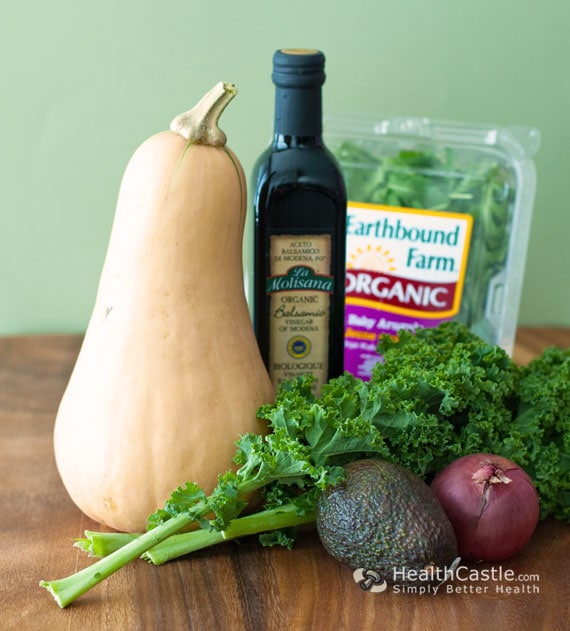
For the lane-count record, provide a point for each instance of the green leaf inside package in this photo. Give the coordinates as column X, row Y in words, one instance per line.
column 484, row 172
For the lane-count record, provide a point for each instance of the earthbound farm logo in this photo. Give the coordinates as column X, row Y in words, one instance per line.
column 406, row 261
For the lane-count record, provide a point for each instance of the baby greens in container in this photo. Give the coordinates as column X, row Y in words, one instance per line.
column 438, row 224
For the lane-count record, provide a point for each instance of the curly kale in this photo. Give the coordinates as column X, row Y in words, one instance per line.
column 538, row 439
column 443, row 392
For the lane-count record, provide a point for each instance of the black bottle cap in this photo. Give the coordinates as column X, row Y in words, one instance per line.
column 298, row 68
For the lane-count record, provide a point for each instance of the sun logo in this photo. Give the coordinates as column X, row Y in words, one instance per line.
column 372, row 258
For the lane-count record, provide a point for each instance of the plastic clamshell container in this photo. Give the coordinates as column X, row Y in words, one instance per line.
column 438, row 224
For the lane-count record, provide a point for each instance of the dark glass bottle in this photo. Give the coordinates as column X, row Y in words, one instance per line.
column 300, row 231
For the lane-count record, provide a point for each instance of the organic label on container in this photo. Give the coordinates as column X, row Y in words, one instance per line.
column 405, row 269
column 299, row 288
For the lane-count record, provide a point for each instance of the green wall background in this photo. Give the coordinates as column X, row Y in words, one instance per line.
column 84, row 84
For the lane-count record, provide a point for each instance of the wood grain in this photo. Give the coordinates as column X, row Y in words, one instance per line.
column 235, row 585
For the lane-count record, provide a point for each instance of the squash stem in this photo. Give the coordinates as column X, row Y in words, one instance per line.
column 200, row 124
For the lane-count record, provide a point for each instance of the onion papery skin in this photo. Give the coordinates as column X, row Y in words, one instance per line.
column 495, row 516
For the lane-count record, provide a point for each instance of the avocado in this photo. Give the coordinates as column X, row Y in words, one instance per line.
column 384, row 518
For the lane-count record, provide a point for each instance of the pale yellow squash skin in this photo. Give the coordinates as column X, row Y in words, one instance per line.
column 169, row 373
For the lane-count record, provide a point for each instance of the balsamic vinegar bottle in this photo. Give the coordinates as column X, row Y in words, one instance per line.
column 300, row 231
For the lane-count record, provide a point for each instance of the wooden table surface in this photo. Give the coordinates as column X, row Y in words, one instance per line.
column 232, row 586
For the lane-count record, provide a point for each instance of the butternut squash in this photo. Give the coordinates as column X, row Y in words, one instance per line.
column 169, row 373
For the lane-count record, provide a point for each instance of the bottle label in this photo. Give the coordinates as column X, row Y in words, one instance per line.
column 405, row 269
column 299, row 287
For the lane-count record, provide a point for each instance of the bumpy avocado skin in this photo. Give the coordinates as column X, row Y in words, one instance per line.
column 382, row 517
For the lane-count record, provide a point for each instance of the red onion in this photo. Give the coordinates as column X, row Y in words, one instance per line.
column 491, row 503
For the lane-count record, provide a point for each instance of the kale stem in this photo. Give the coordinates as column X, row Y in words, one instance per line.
column 102, row 544
column 285, row 516
column 66, row 590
